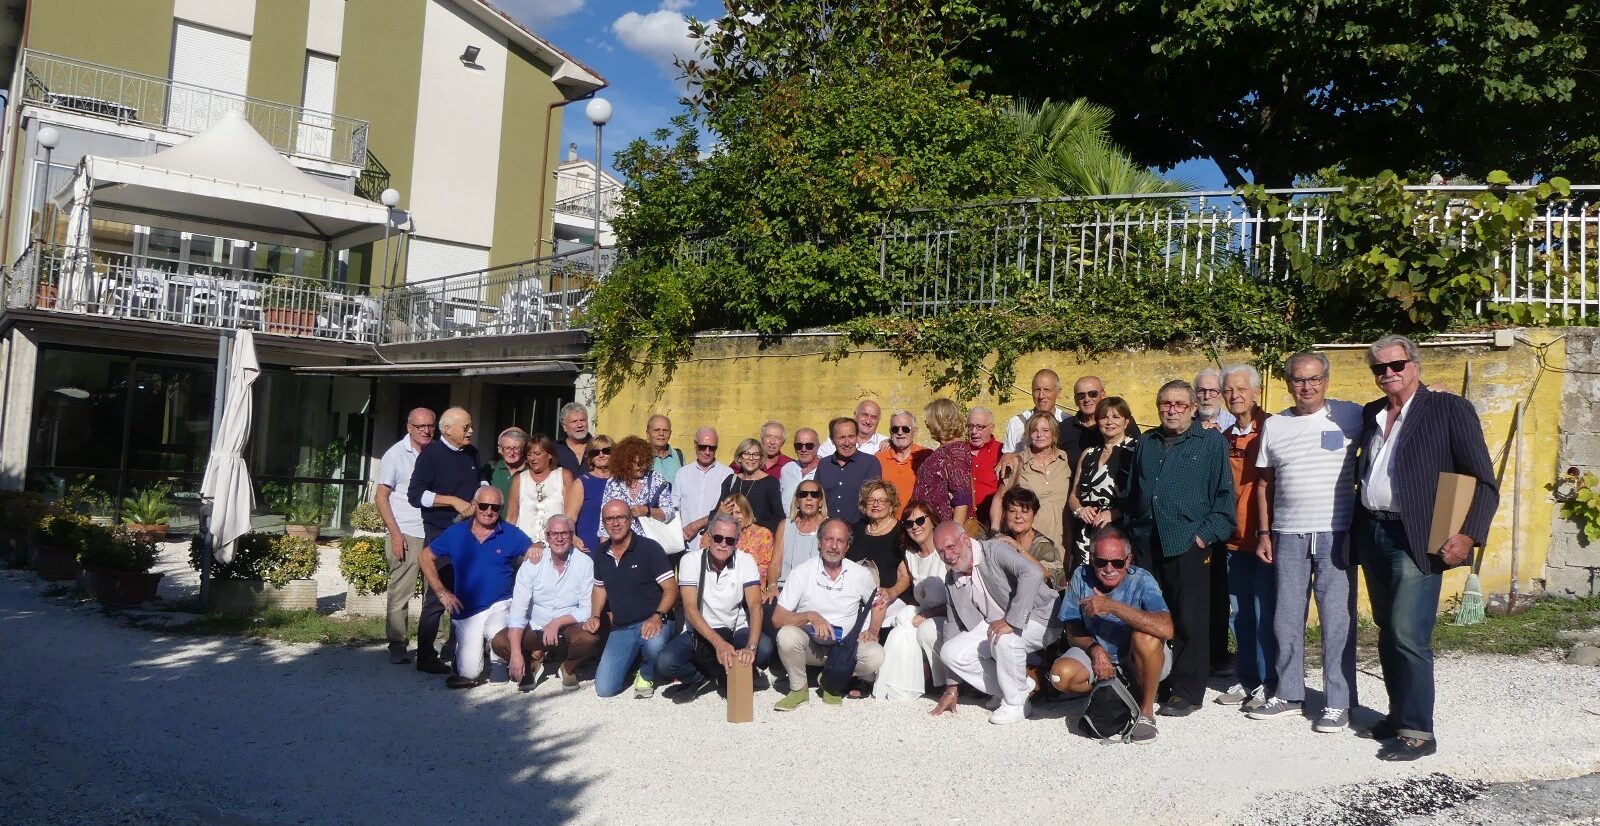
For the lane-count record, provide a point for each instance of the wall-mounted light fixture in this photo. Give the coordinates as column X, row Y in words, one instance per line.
column 469, row 57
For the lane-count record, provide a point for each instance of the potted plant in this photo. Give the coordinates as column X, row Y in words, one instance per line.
column 85, row 497
column 364, row 562
column 147, row 512
column 303, row 517
column 116, row 565
column 55, row 545
column 287, row 308
column 366, row 521
column 267, row 569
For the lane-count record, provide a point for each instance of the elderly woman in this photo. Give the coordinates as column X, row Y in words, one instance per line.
column 876, row 539
column 1046, row 472
column 945, row 479
column 587, row 493
column 635, row 482
column 798, row 542
column 1021, row 510
column 722, row 607
column 916, row 630
column 539, row 490
column 1101, row 482
column 759, row 488
column 753, row 538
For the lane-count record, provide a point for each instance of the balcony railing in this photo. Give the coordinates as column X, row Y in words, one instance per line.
column 541, row 295
column 129, row 97
column 581, row 203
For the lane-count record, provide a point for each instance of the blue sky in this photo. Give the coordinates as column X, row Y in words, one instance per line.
column 631, row 43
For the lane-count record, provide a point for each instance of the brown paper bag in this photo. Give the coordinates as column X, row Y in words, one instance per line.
column 1450, row 506
column 741, row 693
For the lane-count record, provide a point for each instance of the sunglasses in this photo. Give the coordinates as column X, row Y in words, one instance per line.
column 1092, row 394
column 488, row 506
column 421, row 426
column 1101, row 562
column 705, row 447
column 1395, row 367
column 603, row 451
column 805, row 445
column 730, row 541
column 809, row 494
column 914, row 522
column 900, row 429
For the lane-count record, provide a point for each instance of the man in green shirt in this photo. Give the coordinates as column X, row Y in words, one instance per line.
column 513, row 449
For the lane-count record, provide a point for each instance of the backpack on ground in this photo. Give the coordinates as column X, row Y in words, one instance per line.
column 1112, row 710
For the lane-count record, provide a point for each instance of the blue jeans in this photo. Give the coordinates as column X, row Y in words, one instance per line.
column 1405, row 605
column 624, row 647
column 1317, row 564
column 678, row 659
column 1253, row 593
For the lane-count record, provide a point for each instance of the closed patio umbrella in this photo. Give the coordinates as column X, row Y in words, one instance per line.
column 227, row 480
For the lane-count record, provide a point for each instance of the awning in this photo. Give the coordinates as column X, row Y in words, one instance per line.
column 228, row 181
column 447, row 368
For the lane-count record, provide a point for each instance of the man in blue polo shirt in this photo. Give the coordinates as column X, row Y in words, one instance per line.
column 484, row 553
column 842, row 474
column 634, row 589
column 443, row 482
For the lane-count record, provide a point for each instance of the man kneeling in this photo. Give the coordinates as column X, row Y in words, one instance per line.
column 820, row 603
column 721, row 592
column 549, row 604
column 484, row 553
column 1113, row 610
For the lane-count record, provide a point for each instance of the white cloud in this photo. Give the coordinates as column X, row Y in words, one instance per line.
column 676, row 5
column 659, row 36
column 539, row 13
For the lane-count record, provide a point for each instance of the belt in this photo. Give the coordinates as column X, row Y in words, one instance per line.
column 1382, row 516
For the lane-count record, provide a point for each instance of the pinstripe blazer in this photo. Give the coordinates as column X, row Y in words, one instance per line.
column 1441, row 434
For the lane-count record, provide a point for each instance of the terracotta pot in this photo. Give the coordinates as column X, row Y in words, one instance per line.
column 289, row 322
column 55, row 564
column 47, row 297
column 121, row 589
column 310, row 532
column 148, row 533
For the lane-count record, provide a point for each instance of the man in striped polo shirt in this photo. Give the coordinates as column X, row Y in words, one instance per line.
column 1305, row 498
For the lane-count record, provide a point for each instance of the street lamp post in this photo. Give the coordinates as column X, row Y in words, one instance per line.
column 49, row 138
column 599, row 112
column 390, row 199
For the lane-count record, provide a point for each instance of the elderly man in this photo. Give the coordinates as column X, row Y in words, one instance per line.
column 1180, row 506
column 772, row 455
column 570, row 449
column 1250, row 590
column 985, row 458
column 1079, row 432
column 1114, row 613
column 1408, row 438
column 803, row 468
column 698, row 485
column 821, row 600
column 900, row 457
column 484, row 553
column 513, row 449
column 403, row 522
column 1001, row 605
column 1046, row 389
column 667, row 460
column 1306, row 498
column 550, row 602
column 443, row 482
column 634, row 591
column 868, row 439
column 1209, row 410
column 721, row 589
column 842, row 474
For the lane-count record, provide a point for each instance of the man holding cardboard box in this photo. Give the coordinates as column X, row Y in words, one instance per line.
column 1413, row 441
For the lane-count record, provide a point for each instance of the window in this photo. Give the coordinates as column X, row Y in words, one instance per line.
column 206, row 62
column 315, row 135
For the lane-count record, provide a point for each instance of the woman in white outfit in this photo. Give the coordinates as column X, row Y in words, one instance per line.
column 539, row 491
column 916, row 629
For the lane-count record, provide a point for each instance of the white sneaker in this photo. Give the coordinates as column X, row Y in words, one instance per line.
column 994, row 701
column 1007, row 714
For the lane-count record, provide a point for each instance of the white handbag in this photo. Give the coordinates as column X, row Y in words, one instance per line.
column 668, row 534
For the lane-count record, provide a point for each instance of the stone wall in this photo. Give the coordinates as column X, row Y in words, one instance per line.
column 1573, row 566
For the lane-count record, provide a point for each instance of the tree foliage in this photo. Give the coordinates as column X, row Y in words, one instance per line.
column 1069, row 151
column 1270, row 89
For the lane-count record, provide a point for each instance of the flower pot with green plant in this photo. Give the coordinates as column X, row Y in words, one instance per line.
column 57, row 537
column 266, row 569
column 86, row 497
column 364, row 563
column 149, row 510
column 116, row 565
column 303, row 516
column 366, row 521
column 287, row 308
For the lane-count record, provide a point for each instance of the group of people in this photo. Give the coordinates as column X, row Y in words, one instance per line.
column 1068, row 551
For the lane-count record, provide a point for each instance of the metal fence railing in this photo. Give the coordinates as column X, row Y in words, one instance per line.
column 130, row 97
column 541, row 295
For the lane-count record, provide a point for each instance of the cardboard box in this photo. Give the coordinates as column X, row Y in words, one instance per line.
column 741, row 693
column 1450, row 506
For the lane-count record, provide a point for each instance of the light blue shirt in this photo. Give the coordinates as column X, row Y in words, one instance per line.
column 1138, row 589
column 394, row 471
column 542, row 594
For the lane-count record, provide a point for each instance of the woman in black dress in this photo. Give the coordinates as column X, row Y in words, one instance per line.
column 758, row 486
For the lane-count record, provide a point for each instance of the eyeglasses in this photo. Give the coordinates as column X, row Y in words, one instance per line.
column 705, row 447
column 914, row 522
column 422, row 426
column 621, row 517
column 553, row 534
column 1207, row 391
column 1092, row 394
column 805, row 445
column 1101, row 562
column 900, row 429
column 877, row 500
column 602, row 451
column 972, row 426
column 1306, row 381
column 1396, row 367
column 504, row 448
column 809, row 494
column 488, row 506
column 719, row 539
column 750, row 454
column 1173, row 405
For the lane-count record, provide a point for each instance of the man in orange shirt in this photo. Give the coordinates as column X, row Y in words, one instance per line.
column 901, row 456
column 1251, row 585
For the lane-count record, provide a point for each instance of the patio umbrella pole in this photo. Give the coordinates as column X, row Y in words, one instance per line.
column 220, row 398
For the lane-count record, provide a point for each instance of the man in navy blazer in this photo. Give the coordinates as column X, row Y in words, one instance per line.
column 1408, row 438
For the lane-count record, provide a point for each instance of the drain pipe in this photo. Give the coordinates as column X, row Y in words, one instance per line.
column 544, row 169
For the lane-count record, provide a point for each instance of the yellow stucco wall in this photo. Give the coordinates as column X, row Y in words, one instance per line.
column 735, row 385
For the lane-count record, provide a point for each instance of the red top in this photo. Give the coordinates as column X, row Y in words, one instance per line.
column 984, row 485
column 777, row 465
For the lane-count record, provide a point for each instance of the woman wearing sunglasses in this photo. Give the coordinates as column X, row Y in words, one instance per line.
column 798, row 542
column 585, row 494
column 917, row 630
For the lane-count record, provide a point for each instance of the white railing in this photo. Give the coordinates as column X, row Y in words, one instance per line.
column 582, row 203
column 972, row 255
column 129, row 97
column 537, row 296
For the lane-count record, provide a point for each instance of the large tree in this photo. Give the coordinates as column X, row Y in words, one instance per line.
column 1273, row 89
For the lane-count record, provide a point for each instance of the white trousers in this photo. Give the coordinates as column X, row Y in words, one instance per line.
column 1000, row 668
column 904, row 649
column 473, row 634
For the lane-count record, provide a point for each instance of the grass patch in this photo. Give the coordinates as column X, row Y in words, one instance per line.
column 1535, row 629
column 280, row 624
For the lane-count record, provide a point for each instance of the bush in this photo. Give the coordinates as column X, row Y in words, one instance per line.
column 115, row 550
column 304, row 510
column 61, row 529
column 294, row 557
column 364, row 562
column 275, row 558
column 150, row 506
column 366, row 518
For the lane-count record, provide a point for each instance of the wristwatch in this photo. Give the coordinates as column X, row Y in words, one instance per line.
column 665, row 616
column 1263, row 533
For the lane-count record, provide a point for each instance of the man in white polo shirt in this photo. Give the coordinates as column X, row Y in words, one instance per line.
column 821, row 600
column 720, row 587
column 1306, row 497
column 698, row 484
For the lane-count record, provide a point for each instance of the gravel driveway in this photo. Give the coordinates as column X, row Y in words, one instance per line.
column 107, row 724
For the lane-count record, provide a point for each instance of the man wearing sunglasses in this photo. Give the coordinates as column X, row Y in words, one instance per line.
column 803, row 468
column 1408, row 438
column 1115, row 615
column 699, row 484
column 483, row 552
column 404, row 523
column 721, row 591
column 901, row 456
column 443, row 482
column 1079, row 432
